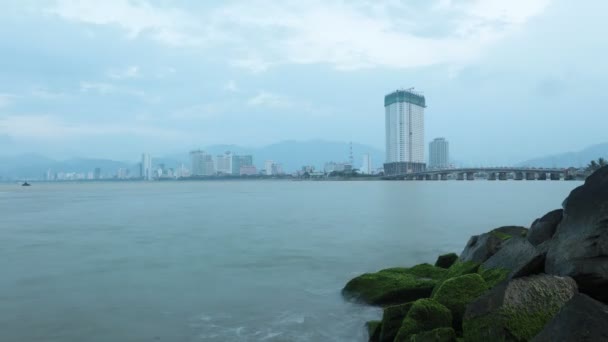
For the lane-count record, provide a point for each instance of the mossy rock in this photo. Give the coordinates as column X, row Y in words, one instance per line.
column 456, row 293
column 392, row 318
column 446, row 260
column 458, row 269
column 394, row 285
column 502, row 235
column 493, row 276
column 435, row 335
column 424, row 315
column 373, row 329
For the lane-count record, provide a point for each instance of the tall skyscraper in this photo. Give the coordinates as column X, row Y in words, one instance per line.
column 202, row 163
column 439, row 154
column 366, row 167
column 146, row 167
column 404, row 120
column 224, row 163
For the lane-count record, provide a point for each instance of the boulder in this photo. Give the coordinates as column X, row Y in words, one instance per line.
column 446, row 260
column 481, row 247
column 581, row 319
column 516, row 258
column 373, row 330
column 579, row 248
column 392, row 318
column 424, row 315
column 517, row 310
column 435, row 335
column 458, row 269
column 456, row 293
column 394, row 285
column 543, row 228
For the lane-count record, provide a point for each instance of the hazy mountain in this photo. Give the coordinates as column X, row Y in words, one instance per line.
column 33, row 166
column 576, row 159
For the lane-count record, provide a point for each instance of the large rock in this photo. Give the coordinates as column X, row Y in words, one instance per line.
column 373, row 330
column 543, row 228
column 394, row 285
column 435, row 335
column 446, row 260
column 516, row 258
column 458, row 269
column 425, row 315
column 456, row 293
column 392, row 318
column 517, row 310
column 481, row 247
column 579, row 248
column 581, row 319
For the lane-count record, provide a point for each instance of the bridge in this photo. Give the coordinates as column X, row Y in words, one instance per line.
column 490, row 173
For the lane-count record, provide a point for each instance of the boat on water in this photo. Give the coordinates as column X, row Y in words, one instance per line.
column 26, row 184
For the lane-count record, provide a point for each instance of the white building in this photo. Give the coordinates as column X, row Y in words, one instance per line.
column 404, row 120
column 224, row 163
column 439, row 154
column 146, row 171
column 202, row 163
column 268, row 166
column 366, row 166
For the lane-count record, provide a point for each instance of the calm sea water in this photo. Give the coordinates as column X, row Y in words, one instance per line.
column 228, row 261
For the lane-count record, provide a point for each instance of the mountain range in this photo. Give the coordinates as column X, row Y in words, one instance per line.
column 577, row 159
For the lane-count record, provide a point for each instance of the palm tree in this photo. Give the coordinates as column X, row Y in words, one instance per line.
column 602, row 162
column 592, row 166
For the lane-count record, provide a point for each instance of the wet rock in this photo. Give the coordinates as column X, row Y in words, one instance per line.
column 435, row 335
column 446, row 260
column 425, row 315
column 394, row 285
column 579, row 248
column 481, row 247
column 456, row 293
column 581, row 319
column 543, row 228
column 458, row 269
column 373, row 330
column 516, row 258
column 517, row 310
column 392, row 318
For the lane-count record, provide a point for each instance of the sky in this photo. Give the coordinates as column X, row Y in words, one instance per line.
column 504, row 81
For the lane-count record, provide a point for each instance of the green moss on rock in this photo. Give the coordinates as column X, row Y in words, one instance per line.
column 392, row 318
column 373, row 329
column 435, row 335
column 493, row 276
column 446, row 260
column 458, row 269
column 394, row 285
column 456, row 293
column 501, row 235
column 424, row 315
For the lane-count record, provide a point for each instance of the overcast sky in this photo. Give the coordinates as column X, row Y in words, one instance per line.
column 504, row 80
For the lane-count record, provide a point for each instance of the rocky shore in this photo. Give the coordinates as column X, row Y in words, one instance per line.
column 548, row 282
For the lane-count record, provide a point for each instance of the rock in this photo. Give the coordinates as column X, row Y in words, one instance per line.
column 373, row 330
column 424, row 315
column 581, row 319
column 446, row 260
column 517, row 310
column 543, row 228
column 435, row 335
column 392, row 318
column 481, row 247
column 456, row 293
column 579, row 248
column 516, row 258
column 394, row 285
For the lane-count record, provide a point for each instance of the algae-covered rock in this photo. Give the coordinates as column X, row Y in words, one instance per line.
column 435, row 335
column 424, row 315
column 456, row 293
column 458, row 269
column 446, row 260
column 481, row 247
column 517, row 310
column 392, row 318
column 373, row 330
column 581, row 319
column 394, row 285
column 494, row 276
column 519, row 257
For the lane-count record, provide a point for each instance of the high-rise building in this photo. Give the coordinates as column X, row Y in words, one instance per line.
column 97, row 173
column 439, row 154
column 146, row 171
column 202, row 163
column 241, row 161
column 224, row 163
column 404, row 120
column 366, row 166
column 268, row 166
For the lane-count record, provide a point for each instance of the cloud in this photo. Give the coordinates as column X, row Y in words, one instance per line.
column 269, row 100
column 259, row 34
column 108, row 88
column 6, row 100
column 45, row 94
column 231, row 87
column 129, row 72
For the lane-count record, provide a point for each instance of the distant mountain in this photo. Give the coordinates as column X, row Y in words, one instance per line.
column 576, row 159
column 291, row 154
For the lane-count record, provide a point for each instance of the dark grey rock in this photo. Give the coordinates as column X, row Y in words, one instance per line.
column 543, row 228
column 517, row 310
column 579, row 248
column 518, row 256
column 581, row 319
column 481, row 247
column 446, row 260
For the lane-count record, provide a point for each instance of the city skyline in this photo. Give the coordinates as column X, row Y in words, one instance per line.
column 94, row 82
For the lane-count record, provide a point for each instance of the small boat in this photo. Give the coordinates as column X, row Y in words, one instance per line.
column 26, row 184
